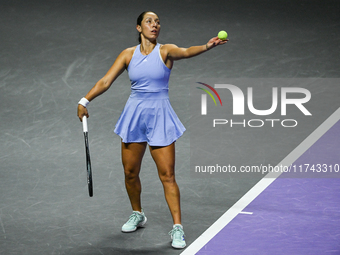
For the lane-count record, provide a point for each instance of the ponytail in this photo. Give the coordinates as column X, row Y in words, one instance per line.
column 139, row 22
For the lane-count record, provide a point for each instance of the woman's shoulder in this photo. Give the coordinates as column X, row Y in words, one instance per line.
column 126, row 55
column 129, row 51
column 168, row 46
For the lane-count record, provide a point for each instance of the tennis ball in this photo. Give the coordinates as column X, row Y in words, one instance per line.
column 222, row 35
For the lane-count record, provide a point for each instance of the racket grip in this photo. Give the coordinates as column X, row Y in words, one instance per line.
column 85, row 129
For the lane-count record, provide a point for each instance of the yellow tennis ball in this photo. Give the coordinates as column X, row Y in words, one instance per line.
column 222, row 35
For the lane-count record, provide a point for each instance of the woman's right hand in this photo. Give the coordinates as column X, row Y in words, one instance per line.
column 82, row 111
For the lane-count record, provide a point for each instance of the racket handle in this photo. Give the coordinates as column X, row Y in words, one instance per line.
column 85, row 129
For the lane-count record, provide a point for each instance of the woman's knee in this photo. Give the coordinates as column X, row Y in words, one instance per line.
column 131, row 172
column 167, row 177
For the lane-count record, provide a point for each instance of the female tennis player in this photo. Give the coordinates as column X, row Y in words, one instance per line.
column 148, row 118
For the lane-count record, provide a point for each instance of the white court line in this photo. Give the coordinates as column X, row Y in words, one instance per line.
column 237, row 208
column 246, row 212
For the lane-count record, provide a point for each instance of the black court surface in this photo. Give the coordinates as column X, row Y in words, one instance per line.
column 53, row 52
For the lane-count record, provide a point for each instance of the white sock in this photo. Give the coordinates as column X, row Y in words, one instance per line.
column 178, row 225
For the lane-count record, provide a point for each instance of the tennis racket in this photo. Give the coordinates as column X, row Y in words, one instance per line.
column 88, row 160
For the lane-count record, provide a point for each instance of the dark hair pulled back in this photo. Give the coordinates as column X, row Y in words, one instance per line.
column 139, row 22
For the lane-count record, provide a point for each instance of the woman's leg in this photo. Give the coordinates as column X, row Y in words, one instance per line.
column 132, row 154
column 164, row 158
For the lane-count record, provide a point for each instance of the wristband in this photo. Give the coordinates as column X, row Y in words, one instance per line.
column 84, row 102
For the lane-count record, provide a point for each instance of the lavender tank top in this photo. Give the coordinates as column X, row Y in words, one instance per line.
column 148, row 73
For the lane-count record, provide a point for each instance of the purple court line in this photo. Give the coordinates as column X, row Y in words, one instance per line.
column 234, row 211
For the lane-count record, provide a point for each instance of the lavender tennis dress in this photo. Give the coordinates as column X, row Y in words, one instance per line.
column 148, row 115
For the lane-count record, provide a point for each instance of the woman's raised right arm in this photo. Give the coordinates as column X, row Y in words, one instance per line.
column 105, row 83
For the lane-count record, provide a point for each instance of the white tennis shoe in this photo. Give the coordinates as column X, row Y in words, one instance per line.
column 136, row 219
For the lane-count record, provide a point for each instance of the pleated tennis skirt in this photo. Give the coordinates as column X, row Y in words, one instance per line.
column 149, row 117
